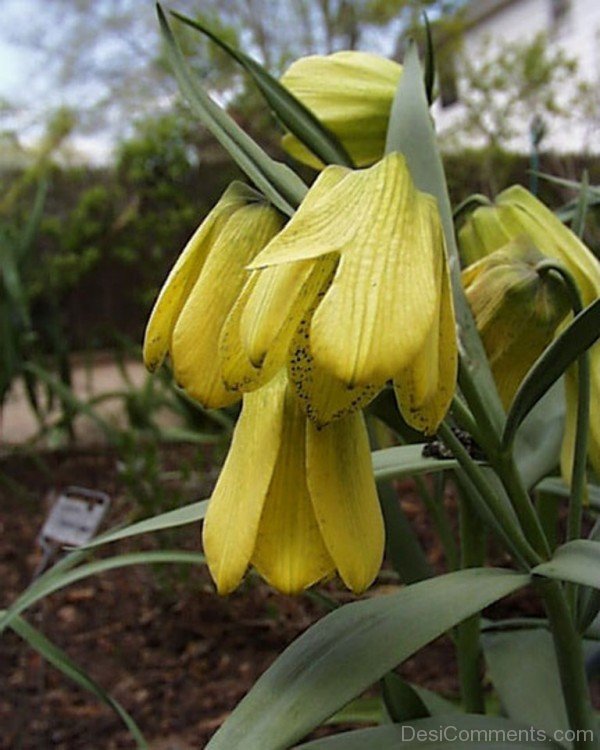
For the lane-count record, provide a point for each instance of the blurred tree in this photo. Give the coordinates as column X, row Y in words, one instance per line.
column 104, row 58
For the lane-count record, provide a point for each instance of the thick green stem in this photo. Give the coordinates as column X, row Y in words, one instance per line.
column 505, row 521
column 472, row 548
column 511, row 479
column 569, row 653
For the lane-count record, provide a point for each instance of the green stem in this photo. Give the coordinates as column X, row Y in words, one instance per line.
column 569, row 653
column 472, row 542
column 439, row 517
column 509, row 475
column 578, row 472
column 505, row 521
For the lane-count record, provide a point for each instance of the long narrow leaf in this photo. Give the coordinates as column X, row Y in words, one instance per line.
column 556, row 486
column 577, row 561
column 192, row 513
column 278, row 183
column 523, row 668
column 582, row 333
column 404, row 460
column 440, row 733
column 56, row 582
column 293, row 114
column 59, row 659
column 410, row 131
column 348, row 650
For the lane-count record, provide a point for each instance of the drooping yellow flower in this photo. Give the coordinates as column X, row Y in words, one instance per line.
column 361, row 269
column 517, row 310
column 351, row 93
column 517, row 212
column 202, row 288
column 296, row 502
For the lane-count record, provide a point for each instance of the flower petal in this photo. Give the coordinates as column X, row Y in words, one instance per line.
column 184, row 274
column 323, row 397
column 345, row 501
column 351, row 93
column 276, row 305
column 301, row 238
column 195, row 344
column 289, row 552
column 425, row 389
column 236, row 505
column 380, row 307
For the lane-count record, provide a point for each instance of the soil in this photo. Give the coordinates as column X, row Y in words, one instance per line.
column 177, row 656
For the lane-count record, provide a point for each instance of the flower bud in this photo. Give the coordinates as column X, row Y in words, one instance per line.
column 517, row 310
column 351, row 93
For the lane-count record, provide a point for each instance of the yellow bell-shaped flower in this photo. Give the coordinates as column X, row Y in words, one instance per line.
column 351, row 93
column 517, row 212
column 517, row 311
column 295, row 501
column 201, row 289
column 353, row 292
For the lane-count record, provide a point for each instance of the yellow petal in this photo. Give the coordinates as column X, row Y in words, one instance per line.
column 276, row 305
column 351, row 93
column 289, row 552
column 344, row 497
column 299, row 240
column 425, row 389
column 323, row 397
column 184, row 274
column 235, row 508
column 377, row 312
column 195, row 344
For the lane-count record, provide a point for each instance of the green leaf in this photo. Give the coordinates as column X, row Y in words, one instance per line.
column 49, row 584
column 588, row 600
column 346, row 651
column 277, row 182
column 429, row 75
column 439, row 733
column 360, row 711
column 539, row 438
column 402, row 546
column 524, row 670
column 556, row 486
column 404, row 460
column 64, row 664
column 581, row 208
column 577, row 561
column 293, row 114
column 582, row 332
column 411, row 132
column 191, row 513
column 405, row 701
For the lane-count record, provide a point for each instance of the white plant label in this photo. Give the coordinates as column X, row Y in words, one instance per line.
column 75, row 517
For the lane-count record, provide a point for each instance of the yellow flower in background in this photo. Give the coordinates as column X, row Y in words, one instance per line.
column 364, row 259
column 517, row 212
column 351, row 93
column 296, row 502
column 202, row 288
column 516, row 309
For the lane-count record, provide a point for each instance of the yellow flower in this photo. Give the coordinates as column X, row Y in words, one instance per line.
column 295, row 501
column 351, row 93
column 201, row 289
column 516, row 309
column 517, row 212
column 356, row 290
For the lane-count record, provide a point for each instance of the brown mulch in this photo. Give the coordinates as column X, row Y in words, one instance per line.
column 177, row 656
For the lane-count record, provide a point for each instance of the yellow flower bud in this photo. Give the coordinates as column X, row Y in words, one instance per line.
column 517, row 311
column 515, row 213
column 351, row 93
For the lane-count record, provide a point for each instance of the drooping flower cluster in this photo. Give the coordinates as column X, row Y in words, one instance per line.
column 308, row 322
column 516, row 213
